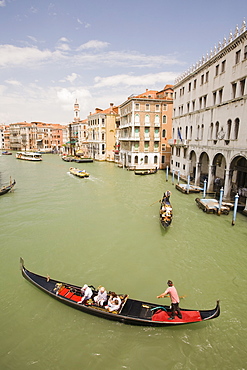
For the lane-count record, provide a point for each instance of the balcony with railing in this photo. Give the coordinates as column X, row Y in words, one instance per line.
column 178, row 142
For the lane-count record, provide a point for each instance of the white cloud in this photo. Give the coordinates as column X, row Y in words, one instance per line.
column 13, row 82
column 63, row 39
column 2, row 3
column 124, row 59
column 32, row 38
column 15, row 56
column 71, row 78
column 67, row 97
column 130, row 80
column 93, row 44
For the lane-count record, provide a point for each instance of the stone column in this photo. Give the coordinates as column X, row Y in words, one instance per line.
column 198, row 173
column 227, row 185
column 211, row 175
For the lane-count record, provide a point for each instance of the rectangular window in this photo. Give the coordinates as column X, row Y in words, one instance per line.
column 214, row 97
column 194, row 84
column 193, row 105
column 147, row 107
column 137, row 106
column 207, row 74
column 217, row 70
column 223, row 66
column 237, row 59
column 242, row 86
column 189, row 89
column 188, row 107
column 220, row 96
column 157, row 108
column 165, row 106
column 205, row 101
column 234, row 90
column 202, row 79
column 245, row 52
column 200, row 103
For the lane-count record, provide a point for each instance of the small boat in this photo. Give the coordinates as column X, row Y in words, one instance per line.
column 166, row 210
column 7, row 188
column 131, row 311
column 188, row 188
column 79, row 173
column 69, row 158
column 82, row 160
column 145, row 172
column 29, row 156
column 6, row 153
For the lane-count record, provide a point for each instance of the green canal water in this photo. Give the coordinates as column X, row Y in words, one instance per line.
column 105, row 231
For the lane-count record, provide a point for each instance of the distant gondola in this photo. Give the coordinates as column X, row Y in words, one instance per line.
column 131, row 311
column 6, row 189
column 166, row 210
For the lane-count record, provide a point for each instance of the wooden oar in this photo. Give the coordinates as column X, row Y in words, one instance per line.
column 155, row 202
column 181, row 296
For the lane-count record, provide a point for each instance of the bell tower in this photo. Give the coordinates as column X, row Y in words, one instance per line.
column 76, row 112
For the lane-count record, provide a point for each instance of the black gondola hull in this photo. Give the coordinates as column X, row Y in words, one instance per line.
column 133, row 312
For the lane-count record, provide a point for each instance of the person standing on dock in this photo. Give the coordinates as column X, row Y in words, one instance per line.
column 172, row 292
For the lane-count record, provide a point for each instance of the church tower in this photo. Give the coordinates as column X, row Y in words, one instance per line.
column 76, row 112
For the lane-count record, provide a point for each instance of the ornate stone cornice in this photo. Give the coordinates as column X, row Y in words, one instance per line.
column 215, row 54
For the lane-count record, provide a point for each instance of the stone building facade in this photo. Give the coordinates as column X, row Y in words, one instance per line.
column 209, row 139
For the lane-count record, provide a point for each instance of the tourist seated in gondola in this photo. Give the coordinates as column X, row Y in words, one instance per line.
column 101, row 297
column 114, row 302
column 86, row 294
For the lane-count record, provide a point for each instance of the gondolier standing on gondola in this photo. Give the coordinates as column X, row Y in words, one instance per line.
column 172, row 292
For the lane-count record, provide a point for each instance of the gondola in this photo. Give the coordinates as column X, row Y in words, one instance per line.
column 166, row 210
column 131, row 311
column 6, row 189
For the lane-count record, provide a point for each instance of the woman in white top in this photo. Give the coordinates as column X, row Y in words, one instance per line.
column 114, row 302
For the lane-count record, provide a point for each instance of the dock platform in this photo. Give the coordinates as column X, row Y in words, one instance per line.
column 212, row 206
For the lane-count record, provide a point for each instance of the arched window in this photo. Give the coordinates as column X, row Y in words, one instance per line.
column 146, row 159
column 186, row 132
column 191, row 132
column 217, row 125
column 202, row 132
column 157, row 119
column 136, row 159
column 164, row 133
column 198, row 132
column 236, row 128
column 229, row 127
column 147, row 118
column 211, row 130
column 155, row 159
column 164, row 119
column 137, row 118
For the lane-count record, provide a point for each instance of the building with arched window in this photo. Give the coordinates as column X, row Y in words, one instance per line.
column 209, row 118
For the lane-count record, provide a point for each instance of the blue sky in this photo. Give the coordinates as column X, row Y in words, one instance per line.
column 100, row 51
